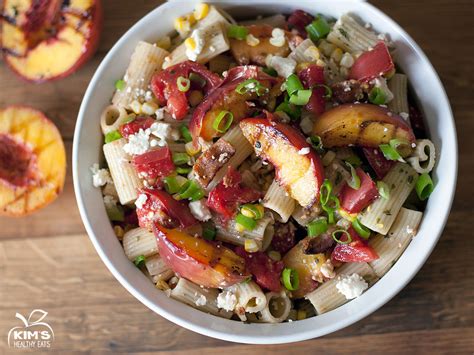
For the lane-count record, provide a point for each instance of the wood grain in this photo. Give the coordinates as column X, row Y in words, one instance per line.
column 46, row 260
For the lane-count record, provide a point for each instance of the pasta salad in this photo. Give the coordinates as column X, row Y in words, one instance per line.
column 267, row 170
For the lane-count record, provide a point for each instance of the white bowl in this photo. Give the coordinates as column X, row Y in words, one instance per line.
column 88, row 147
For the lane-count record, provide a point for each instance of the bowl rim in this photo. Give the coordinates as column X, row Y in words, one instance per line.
column 268, row 338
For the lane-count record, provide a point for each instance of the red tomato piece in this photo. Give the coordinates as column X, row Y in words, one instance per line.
column 354, row 201
column 266, row 271
column 372, row 64
column 229, row 194
column 356, row 251
column 134, row 126
column 161, row 207
column 165, row 88
column 310, row 77
column 154, row 164
column 298, row 20
column 378, row 162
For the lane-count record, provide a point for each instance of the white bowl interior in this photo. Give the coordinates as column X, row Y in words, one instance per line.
column 88, row 146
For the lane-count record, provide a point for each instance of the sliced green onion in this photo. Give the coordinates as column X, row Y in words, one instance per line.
column 290, row 279
column 377, row 96
column 223, row 121
column 291, row 110
column 384, row 190
column 362, row 230
column 270, row 71
column 129, row 119
column 172, row 185
column 183, row 83
column 198, row 79
column 301, row 97
column 252, row 211
column 190, row 190
column 139, row 260
column 318, row 29
column 354, row 182
column 112, row 136
column 293, row 84
column 114, row 212
column 185, row 133
column 337, row 235
column 331, row 209
column 325, row 192
column 246, row 222
column 251, row 85
column 424, row 186
column 180, row 158
column 327, row 89
column 120, row 84
column 354, row 160
column 183, row 170
column 389, row 152
column 316, row 143
column 209, row 233
column 317, row 227
column 237, row 32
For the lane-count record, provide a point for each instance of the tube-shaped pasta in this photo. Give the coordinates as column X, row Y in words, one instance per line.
column 262, row 233
column 125, row 178
column 213, row 32
column 300, row 54
column 278, row 200
column 139, row 241
column 348, row 34
column 390, row 247
column 381, row 214
column 242, row 148
column 277, row 309
column 250, row 297
column 177, row 147
column 158, row 268
column 398, row 86
column 306, row 215
column 326, row 297
column 421, row 161
column 146, row 60
column 112, row 118
column 202, row 298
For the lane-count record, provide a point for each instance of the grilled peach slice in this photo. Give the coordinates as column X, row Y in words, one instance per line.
column 363, row 125
column 32, row 161
column 198, row 260
column 298, row 167
column 43, row 40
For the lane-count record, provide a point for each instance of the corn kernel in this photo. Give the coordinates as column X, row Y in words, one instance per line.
column 195, row 98
column 136, row 107
column 301, row 314
column 278, row 38
column 190, row 43
column 251, row 246
column 337, row 55
column 164, row 42
column 182, row 26
column 326, row 47
column 301, row 66
column 252, row 40
column 321, row 63
column 201, row 11
column 347, row 60
column 192, row 149
column 247, row 213
column 190, row 18
column 119, row 232
column 390, row 73
column 274, row 255
column 149, row 108
column 162, row 285
column 239, row 228
column 312, row 53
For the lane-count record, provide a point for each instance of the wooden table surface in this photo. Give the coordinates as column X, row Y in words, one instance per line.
column 47, row 261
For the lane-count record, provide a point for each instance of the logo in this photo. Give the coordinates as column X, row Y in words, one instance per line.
column 33, row 333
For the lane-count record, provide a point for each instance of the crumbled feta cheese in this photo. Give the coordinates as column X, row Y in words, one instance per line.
column 162, row 131
column 141, row 200
column 306, row 125
column 201, row 301
column 347, row 60
column 351, row 286
column 160, row 113
column 100, row 177
column 283, row 66
column 303, row 151
column 138, row 143
column 327, row 269
column 227, row 300
column 404, row 115
column 381, row 83
column 200, row 211
column 199, row 41
column 109, row 200
column 252, row 40
column 278, row 37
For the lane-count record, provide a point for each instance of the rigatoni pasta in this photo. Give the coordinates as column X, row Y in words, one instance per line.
column 277, row 200
column 138, row 242
column 398, row 85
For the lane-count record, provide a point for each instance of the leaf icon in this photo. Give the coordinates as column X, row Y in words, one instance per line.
column 23, row 319
column 42, row 315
